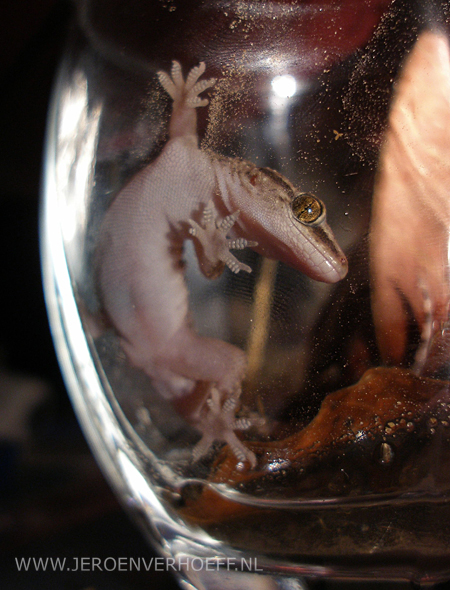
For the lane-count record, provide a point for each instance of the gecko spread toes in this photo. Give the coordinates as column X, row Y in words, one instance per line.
column 212, row 236
column 194, row 74
column 219, row 424
column 186, row 90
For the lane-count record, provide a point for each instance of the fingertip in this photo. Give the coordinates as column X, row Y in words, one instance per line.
column 390, row 324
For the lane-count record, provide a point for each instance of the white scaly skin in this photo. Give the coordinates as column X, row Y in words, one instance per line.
column 184, row 194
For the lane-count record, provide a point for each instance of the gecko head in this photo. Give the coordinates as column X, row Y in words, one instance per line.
column 291, row 225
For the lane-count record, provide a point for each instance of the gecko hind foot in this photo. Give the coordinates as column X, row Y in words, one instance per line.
column 188, row 90
column 212, row 236
column 218, row 424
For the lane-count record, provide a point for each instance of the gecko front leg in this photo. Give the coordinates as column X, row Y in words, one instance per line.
column 212, row 236
column 214, row 244
column 185, row 96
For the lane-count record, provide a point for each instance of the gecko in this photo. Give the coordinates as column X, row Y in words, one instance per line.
column 221, row 204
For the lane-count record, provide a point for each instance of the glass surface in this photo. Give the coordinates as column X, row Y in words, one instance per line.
column 270, row 406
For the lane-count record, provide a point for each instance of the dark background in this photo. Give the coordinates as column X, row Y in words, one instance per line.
column 54, row 502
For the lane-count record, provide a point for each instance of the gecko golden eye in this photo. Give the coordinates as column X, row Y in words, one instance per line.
column 307, row 208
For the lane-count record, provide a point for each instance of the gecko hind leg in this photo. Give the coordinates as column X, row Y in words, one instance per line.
column 210, row 410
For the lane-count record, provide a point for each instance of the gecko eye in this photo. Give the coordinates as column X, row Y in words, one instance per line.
column 307, row 208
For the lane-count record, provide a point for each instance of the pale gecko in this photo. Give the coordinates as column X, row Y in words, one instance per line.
column 188, row 193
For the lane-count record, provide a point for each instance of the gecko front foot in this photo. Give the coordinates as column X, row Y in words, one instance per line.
column 219, row 424
column 212, row 236
column 186, row 91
